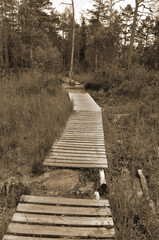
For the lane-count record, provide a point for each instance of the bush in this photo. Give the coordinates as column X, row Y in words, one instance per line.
column 96, row 86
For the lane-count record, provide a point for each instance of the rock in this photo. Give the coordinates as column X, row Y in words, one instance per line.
column 61, row 181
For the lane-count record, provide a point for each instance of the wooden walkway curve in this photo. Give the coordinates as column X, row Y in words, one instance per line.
column 53, row 218
column 82, row 143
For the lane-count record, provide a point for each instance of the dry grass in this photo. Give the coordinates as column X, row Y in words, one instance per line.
column 132, row 142
column 34, row 110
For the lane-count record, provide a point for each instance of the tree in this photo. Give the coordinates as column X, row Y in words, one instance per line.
column 73, row 41
column 138, row 5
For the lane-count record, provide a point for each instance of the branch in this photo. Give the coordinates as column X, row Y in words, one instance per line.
column 65, row 3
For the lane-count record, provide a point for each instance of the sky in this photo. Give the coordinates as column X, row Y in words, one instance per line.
column 81, row 5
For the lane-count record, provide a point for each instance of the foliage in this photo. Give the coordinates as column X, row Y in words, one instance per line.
column 131, row 127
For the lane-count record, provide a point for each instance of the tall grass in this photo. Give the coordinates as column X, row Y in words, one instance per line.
column 34, row 110
column 132, row 142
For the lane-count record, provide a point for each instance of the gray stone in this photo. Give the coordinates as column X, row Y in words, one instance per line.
column 61, row 180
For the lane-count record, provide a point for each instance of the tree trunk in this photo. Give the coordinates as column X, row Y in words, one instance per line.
column 6, row 54
column 96, row 60
column 73, row 42
column 133, row 34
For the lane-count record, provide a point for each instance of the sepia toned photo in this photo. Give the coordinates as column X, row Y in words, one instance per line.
column 79, row 119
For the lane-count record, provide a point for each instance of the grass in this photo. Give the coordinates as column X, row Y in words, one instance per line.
column 34, row 110
column 132, row 143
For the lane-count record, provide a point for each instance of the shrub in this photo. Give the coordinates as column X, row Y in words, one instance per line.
column 93, row 86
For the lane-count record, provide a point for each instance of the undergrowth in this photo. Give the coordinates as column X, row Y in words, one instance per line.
column 132, row 141
column 130, row 102
column 34, row 110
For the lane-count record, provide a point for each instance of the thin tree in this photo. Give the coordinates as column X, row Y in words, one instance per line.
column 73, row 41
column 73, row 38
column 138, row 3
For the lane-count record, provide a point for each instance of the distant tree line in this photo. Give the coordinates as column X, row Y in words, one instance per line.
column 34, row 35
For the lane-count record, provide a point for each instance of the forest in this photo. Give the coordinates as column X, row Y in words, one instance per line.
column 114, row 53
column 35, row 35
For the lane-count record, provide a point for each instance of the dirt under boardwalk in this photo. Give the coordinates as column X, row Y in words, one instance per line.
column 82, row 143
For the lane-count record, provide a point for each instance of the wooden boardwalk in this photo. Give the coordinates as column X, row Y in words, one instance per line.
column 82, row 143
column 53, row 218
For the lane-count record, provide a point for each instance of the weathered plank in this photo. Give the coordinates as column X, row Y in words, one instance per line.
column 73, row 149
column 14, row 237
column 62, row 220
column 83, row 147
column 74, row 161
column 64, row 201
column 60, row 210
column 42, row 230
column 80, row 143
column 74, row 165
column 77, row 157
column 77, row 154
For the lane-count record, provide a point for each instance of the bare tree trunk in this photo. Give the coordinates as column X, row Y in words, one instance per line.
column 96, row 60
column 6, row 54
column 31, row 50
column 73, row 42
column 133, row 34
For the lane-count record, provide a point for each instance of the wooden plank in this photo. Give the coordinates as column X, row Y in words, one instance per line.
column 58, row 146
column 62, row 210
column 81, row 144
column 96, row 142
column 82, row 138
column 80, row 157
column 86, row 119
column 83, row 147
column 77, row 154
column 14, row 237
column 68, row 165
column 62, row 220
column 74, row 161
column 86, row 129
column 42, row 230
column 64, row 201
column 84, row 134
column 89, row 124
column 66, row 151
